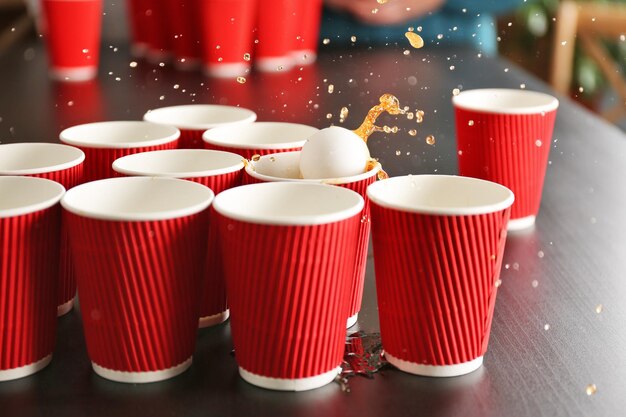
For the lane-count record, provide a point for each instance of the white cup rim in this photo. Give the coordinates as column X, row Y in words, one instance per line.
column 251, row 170
column 505, row 101
column 269, row 203
column 42, row 194
column 137, row 199
column 186, row 116
column 463, row 195
column 255, row 135
column 66, row 157
column 208, row 163
column 120, row 134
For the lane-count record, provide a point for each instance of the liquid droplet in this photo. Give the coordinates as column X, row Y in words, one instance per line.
column 246, row 57
column 470, row 123
column 415, row 40
column 430, row 139
column 599, row 308
column 456, row 92
column 331, row 88
column 591, row 389
column 241, row 80
column 412, row 132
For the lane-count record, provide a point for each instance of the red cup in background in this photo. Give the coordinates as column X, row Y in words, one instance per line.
column 504, row 135
column 136, row 243
column 136, row 10
column 307, row 31
column 214, row 169
column 285, row 167
column 259, row 138
column 156, row 29
column 438, row 246
column 30, row 230
column 183, row 32
column 194, row 119
column 104, row 142
column 227, row 30
column 276, row 36
column 56, row 162
column 73, row 38
column 288, row 294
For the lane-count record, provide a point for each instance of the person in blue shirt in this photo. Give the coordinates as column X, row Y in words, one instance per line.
column 379, row 22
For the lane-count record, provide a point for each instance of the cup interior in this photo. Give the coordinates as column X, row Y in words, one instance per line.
column 440, row 195
column 507, row 101
column 119, row 134
column 137, row 199
column 288, row 203
column 267, row 135
column 37, row 158
column 179, row 163
column 23, row 195
column 200, row 116
column 286, row 166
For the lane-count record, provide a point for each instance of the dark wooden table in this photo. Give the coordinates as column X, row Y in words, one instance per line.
column 560, row 313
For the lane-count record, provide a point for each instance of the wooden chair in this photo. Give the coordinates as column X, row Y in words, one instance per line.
column 589, row 23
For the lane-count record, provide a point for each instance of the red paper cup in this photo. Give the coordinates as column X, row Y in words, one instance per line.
column 504, row 136
column 104, row 142
column 276, row 36
column 195, row 119
column 30, row 227
column 136, row 10
column 56, row 162
column 259, row 138
column 308, row 16
column 73, row 38
column 227, row 28
column 215, row 169
column 285, row 167
column 136, row 243
column 438, row 245
column 183, row 32
column 156, row 29
column 288, row 294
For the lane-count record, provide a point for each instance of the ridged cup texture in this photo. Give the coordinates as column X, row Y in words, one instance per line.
column 436, row 282
column 138, row 284
column 99, row 161
column 29, row 265
column 287, row 288
column 360, row 263
column 213, row 287
column 510, row 149
column 191, row 139
column 68, row 178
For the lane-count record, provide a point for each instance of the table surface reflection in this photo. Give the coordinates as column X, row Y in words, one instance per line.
column 548, row 341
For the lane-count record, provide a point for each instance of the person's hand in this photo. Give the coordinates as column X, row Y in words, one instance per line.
column 390, row 13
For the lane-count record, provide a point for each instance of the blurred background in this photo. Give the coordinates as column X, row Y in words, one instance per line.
column 577, row 47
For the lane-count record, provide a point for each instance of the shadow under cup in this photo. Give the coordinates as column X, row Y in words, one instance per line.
column 505, row 135
column 438, row 246
column 136, row 242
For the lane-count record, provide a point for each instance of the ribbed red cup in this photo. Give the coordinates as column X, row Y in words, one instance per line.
column 505, row 136
column 306, row 37
column 136, row 243
column 227, row 31
column 214, row 169
column 73, row 38
column 155, row 26
column 195, row 119
column 284, row 167
column 288, row 294
column 56, row 162
column 259, row 138
column 276, row 36
column 104, row 142
column 30, row 229
column 438, row 246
